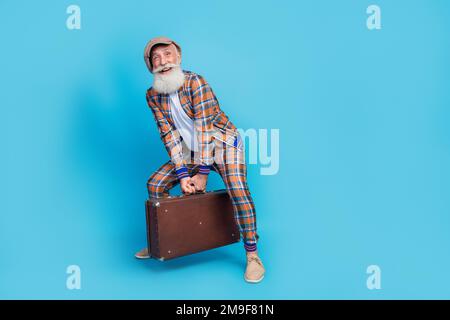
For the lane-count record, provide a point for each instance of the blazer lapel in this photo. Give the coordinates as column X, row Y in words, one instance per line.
column 185, row 102
column 165, row 107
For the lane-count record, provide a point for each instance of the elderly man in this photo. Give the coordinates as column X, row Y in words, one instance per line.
column 198, row 137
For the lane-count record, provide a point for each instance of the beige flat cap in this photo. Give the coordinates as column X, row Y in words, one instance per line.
column 153, row 42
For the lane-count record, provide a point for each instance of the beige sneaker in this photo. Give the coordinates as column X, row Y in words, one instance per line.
column 143, row 254
column 254, row 272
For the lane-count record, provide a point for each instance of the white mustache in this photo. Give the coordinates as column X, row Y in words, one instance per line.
column 167, row 65
column 170, row 82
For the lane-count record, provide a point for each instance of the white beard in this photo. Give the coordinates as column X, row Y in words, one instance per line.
column 170, row 82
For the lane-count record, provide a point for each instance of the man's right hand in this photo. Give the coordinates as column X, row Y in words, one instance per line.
column 187, row 186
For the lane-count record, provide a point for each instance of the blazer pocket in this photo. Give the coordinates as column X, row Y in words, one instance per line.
column 224, row 135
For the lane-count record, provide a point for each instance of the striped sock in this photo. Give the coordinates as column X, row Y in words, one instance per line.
column 250, row 247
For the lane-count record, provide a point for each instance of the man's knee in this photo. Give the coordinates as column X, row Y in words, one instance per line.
column 156, row 186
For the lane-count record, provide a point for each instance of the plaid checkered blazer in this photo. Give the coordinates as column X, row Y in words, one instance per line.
column 200, row 104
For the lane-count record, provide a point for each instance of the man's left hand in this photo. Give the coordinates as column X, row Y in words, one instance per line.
column 199, row 181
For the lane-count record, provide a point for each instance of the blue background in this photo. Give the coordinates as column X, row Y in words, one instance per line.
column 363, row 116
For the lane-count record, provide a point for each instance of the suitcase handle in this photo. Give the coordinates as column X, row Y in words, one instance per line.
column 196, row 192
column 187, row 195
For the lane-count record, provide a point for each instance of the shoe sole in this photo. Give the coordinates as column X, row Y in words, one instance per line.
column 254, row 281
column 142, row 257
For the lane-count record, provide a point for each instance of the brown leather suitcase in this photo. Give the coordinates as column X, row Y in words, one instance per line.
column 186, row 224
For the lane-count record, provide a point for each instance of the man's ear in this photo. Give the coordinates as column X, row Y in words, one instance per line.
column 178, row 56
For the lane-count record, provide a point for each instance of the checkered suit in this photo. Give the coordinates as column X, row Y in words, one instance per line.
column 220, row 144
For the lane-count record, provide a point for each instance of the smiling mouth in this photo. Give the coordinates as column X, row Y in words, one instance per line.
column 165, row 70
